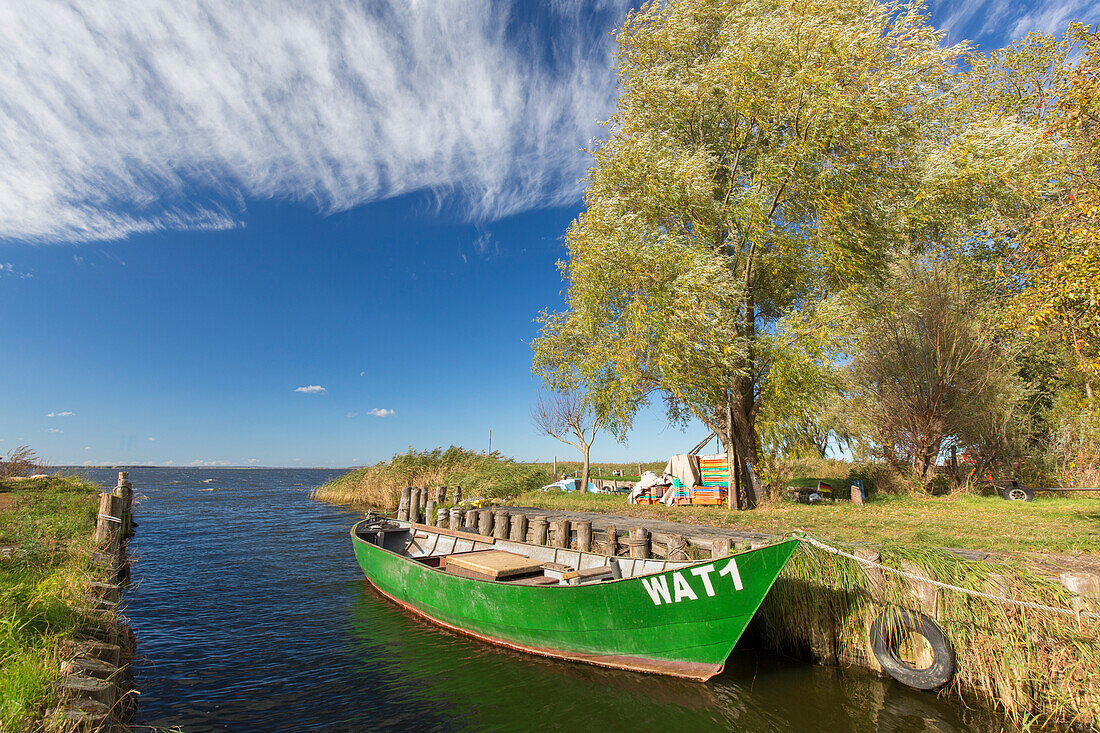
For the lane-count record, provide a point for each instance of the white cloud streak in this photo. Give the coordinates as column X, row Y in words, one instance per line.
column 311, row 389
column 381, row 412
column 128, row 116
column 66, row 413
column 994, row 23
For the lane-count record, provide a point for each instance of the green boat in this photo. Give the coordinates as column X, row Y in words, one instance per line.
column 648, row 615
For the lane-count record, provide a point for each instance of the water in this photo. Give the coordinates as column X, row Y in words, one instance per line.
column 252, row 615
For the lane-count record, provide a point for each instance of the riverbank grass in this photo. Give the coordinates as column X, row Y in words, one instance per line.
column 1048, row 524
column 46, row 535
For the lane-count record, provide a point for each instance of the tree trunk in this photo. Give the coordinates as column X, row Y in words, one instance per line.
column 585, row 469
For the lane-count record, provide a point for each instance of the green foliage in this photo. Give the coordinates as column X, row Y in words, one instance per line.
column 763, row 155
column 930, row 368
column 479, row 474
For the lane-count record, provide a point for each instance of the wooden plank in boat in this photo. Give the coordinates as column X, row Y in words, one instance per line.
column 495, row 564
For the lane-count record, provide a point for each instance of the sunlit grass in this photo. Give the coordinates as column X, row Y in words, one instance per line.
column 46, row 530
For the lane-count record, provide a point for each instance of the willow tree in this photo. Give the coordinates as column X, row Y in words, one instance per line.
column 762, row 153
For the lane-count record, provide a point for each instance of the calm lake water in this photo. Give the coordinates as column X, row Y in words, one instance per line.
column 252, row 615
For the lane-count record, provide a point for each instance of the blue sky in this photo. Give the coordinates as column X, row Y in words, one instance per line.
column 303, row 234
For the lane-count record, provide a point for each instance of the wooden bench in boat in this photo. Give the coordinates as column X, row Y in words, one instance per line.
column 491, row 565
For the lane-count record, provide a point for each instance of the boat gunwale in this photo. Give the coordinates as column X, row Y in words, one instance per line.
column 675, row 565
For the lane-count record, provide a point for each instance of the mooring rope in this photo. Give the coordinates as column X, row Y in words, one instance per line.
column 947, row 586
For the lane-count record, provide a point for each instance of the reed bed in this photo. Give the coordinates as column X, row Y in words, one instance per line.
column 479, row 474
column 1034, row 666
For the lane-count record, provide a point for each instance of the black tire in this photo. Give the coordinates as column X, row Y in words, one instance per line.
column 1019, row 493
column 892, row 623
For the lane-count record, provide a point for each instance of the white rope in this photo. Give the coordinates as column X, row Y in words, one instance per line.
column 921, row 579
column 109, row 518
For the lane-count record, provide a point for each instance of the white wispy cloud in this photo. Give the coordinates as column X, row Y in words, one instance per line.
column 311, row 389
column 994, row 23
column 151, row 438
column 128, row 116
column 381, row 412
column 207, row 463
column 351, row 415
column 54, row 430
column 66, row 413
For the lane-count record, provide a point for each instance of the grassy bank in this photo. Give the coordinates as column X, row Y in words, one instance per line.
column 1037, row 667
column 46, row 533
column 1055, row 524
column 490, row 476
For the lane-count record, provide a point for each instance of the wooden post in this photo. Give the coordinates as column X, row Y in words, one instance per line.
column 612, row 546
column 458, row 494
column 456, row 518
column 414, row 504
column 538, row 530
column 424, row 498
column 485, row 522
column 639, row 542
column 584, row 535
column 555, row 470
column 403, row 504
column 677, row 549
column 440, row 495
column 429, row 512
column 470, row 523
column 720, row 547
column 501, row 524
column 441, row 518
column 103, row 521
column 519, row 528
column 125, row 491
column 561, row 533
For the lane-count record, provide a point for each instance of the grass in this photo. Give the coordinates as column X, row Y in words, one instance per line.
column 1032, row 665
column 479, row 474
column 46, row 530
column 1049, row 524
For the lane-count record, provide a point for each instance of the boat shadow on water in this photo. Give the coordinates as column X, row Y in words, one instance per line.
column 449, row 681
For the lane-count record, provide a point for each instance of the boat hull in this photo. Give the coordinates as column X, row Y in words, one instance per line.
column 682, row 622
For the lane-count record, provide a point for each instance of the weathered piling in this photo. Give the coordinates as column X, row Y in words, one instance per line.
column 639, row 542
column 470, row 522
column 403, row 503
column 518, row 529
column 414, row 504
column 501, row 524
column 720, row 547
column 561, row 533
column 441, row 518
column 611, row 544
column 423, row 499
column 455, row 519
column 458, row 495
column 95, row 691
column 124, row 490
column 440, row 495
column 584, row 535
column 677, row 549
column 429, row 512
column 538, row 530
column 485, row 522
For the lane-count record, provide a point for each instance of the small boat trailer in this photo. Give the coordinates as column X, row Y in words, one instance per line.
column 1016, row 491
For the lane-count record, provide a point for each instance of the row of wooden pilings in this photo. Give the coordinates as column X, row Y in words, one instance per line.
column 423, row 506
column 97, row 684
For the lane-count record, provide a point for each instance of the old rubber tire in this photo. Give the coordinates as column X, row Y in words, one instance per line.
column 889, row 625
column 1019, row 493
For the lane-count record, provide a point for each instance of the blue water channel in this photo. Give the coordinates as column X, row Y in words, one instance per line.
column 252, row 615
